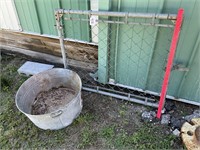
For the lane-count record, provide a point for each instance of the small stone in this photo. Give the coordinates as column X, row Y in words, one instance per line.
column 190, row 117
column 171, row 112
column 165, row 119
column 171, row 142
column 176, row 122
column 176, row 132
column 148, row 116
column 167, row 132
column 169, row 105
column 163, row 110
column 197, row 112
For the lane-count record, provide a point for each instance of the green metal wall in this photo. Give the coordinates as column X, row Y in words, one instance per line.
column 37, row 16
column 185, row 85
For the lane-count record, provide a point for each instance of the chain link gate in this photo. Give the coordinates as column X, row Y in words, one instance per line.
column 132, row 51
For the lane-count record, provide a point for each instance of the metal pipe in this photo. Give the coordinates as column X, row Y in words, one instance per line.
column 124, row 22
column 118, row 14
column 157, row 94
column 119, row 92
column 137, row 23
column 121, row 97
column 61, row 39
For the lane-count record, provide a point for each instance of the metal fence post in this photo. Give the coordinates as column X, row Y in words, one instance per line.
column 61, row 36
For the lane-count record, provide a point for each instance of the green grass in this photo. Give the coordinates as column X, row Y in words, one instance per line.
column 87, row 138
column 84, row 119
column 145, row 137
column 108, row 132
column 87, row 135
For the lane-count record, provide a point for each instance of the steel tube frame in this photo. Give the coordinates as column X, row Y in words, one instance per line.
column 157, row 94
column 125, row 22
column 59, row 13
column 121, row 97
column 61, row 39
column 119, row 92
column 118, row 14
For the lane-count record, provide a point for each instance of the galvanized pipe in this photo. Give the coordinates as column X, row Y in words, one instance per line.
column 119, row 92
column 121, row 97
column 125, row 22
column 61, row 39
column 157, row 94
column 118, row 14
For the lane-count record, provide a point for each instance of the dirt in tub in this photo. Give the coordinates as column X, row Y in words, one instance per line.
column 51, row 100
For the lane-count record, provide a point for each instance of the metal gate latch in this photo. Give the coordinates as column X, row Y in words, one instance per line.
column 179, row 67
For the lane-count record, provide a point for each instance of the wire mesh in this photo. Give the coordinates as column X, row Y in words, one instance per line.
column 131, row 54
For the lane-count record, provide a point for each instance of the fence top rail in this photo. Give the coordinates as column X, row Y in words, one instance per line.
column 118, row 14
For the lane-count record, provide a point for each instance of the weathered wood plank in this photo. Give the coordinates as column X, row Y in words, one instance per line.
column 75, row 51
column 50, row 58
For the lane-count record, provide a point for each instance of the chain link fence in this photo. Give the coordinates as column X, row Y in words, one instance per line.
column 132, row 51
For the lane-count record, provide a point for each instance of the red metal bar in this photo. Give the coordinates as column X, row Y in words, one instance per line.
column 173, row 46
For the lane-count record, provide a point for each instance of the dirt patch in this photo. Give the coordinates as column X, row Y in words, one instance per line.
column 51, row 100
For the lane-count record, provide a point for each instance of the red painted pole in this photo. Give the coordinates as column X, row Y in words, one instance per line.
column 172, row 51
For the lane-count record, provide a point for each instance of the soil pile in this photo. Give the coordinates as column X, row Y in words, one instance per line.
column 49, row 101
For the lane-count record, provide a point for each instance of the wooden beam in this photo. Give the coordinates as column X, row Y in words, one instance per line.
column 49, row 58
column 76, row 51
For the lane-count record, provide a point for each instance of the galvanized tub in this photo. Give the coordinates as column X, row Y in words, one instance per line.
column 45, row 81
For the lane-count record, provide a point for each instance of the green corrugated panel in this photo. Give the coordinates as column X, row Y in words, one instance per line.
column 38, row 16
column 135, row 48
column 78, row 30
column 158, row 60
column 189, row 34
column 190, row 83
column 145, row 68
column 45, row 10
column 28, row 15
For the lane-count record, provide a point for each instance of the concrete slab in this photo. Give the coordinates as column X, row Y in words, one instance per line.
column 31, row 68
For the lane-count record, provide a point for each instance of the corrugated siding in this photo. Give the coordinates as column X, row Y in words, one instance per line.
column 45, row 11
column 38, row 16
column 78, row 30
column 8, row 15
column 28, row 15
column 184, row 85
